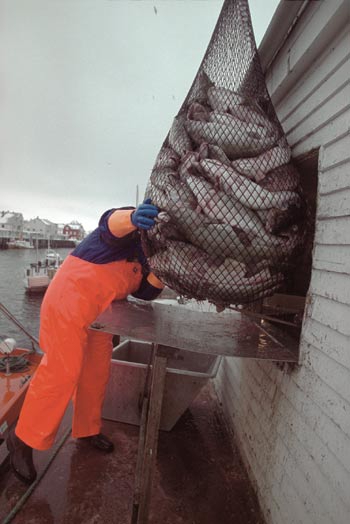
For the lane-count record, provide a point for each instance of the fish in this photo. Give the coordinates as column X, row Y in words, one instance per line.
column 219, row 239
column 245, row 128
column 198, row 111
column 178, row 138
column 246, row 191
column 253, row 114
column 190, row 165
column 182, row 266
column 222, row 99
column 228, row 286
column 196, row 274
column 219, row 206
column 234, row 137
column 257, row 167
column 173, row 193
column 282, row 178
column 160, row 178
column 276, row 220
column 167, row 158
column 216, row 153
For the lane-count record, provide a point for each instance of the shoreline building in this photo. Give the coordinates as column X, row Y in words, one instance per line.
column 11, row 224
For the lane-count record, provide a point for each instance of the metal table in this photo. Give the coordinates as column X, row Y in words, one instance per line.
column 173, row 327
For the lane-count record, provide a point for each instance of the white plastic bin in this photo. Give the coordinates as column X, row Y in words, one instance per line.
column 187, row 372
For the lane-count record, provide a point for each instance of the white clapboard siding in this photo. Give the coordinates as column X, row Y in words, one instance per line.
column 321, row 116
column 328, row 284
column 332, row 258
column 293, row 426
column 337, row 177
column 323, row 68
column 333, row 231
column 333, row 343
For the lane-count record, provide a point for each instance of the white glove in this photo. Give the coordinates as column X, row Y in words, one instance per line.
column 7, row 346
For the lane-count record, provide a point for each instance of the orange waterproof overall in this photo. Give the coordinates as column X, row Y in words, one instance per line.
column 77, row 360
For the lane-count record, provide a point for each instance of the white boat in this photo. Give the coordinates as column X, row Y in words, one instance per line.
column 38, row 277
column 20, row 244
column 52, row 257
column 40, row 273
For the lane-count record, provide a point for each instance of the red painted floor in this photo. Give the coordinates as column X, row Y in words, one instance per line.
column 199, row 478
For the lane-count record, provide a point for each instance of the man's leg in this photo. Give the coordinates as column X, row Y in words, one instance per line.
column 90, row 391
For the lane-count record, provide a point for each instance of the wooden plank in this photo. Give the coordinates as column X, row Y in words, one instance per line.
column 336, row 204
column 139, row 462
column 281, row 303
column 326, row 339
column 335, row 286
column 317, row 27
column 151, row 438
column 333, row 231
column 335, row 178
column 320, row 117
column 335, row 152
column 317, row 99
column 323, row 68
column 332, row 258
column 330, row 313
column 337, row 126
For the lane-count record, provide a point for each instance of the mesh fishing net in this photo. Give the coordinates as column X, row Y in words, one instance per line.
column 231, row 205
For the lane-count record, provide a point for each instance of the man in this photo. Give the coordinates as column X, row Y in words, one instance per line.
column 107, row 265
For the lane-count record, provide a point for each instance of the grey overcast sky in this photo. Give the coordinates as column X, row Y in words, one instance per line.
column 88, row 92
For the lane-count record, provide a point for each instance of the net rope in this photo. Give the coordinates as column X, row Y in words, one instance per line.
column 232, row 209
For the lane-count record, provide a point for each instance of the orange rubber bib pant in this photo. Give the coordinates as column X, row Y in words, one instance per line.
column 76, row 360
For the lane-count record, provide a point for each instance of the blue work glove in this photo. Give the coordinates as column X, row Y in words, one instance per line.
column 144, row 214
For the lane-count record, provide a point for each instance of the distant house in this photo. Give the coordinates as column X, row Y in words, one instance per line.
column 11, row 224
column 40, row 228
column 60, row 231
column 74, row 231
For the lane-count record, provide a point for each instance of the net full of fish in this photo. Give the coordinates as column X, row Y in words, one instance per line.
column 232, row 211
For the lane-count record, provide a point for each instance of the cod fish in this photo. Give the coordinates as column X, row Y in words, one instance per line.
column 236, row 138
column 216, row 153
column 257, row 167
column 283, row 178
column 190, row 165
column 184, row 265
column 167, row 158
column 219, row 239
column 197, row 111
column 247, row 192
column 221, row 207
column 222, row 99
column 236, row 125
column 201, row 276
column 178, row 138
column 253, row 114
column 226, row 285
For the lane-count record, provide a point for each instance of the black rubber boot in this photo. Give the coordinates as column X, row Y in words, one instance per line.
column 100, row 442
column 21, row 458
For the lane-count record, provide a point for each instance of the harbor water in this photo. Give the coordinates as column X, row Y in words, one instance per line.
column 25, row 307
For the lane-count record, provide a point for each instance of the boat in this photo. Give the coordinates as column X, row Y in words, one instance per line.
column 40, row 273
column 20, row 244
column 38, row 277
column 52, row 257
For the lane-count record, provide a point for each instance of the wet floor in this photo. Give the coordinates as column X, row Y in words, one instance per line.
column 199, row 478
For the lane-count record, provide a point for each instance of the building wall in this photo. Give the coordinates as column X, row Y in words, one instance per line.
column 294, row 426
column 38, row 228
column 11, row 224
